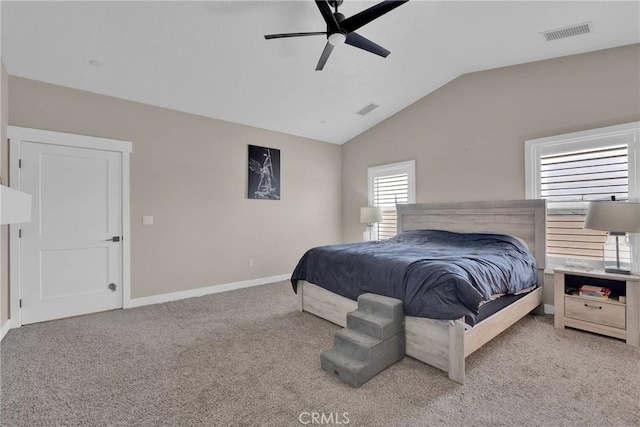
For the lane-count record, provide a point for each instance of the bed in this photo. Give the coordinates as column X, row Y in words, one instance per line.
column 445, row 344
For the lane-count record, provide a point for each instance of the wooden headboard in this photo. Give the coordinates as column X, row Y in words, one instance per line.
column 525, row 219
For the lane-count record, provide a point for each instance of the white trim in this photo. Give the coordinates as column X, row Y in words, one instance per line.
column 634, row 195
column 68, row 139
column 549, row 309
column 5, row 329
column 19, row 134
column 15, row 317
column 198, row 292
column 126, row 232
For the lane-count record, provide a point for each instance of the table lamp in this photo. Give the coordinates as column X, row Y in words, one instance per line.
column 370, row 215
column 618, row 218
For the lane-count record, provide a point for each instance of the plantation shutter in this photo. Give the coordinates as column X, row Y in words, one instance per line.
column 585, row 175
column 568, row 181
column 389, row 190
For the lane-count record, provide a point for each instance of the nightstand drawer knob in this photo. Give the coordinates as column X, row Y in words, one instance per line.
column 593, row 306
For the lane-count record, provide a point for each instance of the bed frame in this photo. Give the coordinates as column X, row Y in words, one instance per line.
column 445, row 344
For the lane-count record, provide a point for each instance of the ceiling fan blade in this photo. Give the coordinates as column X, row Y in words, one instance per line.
column 356, row 40
column 356, row 21
column 325, row 10
column 325, row 55
column 285, row 35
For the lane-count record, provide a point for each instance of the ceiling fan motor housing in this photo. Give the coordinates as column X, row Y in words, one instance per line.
column 337, row 36
column 342, row 30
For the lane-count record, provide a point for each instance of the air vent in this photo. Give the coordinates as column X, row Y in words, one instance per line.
column 563, row 33
column 366, row 110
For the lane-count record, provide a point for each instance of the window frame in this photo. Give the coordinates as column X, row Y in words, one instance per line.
column 408, row 167
column 627, row 133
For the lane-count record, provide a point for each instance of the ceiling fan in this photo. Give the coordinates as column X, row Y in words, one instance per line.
column 342, row 30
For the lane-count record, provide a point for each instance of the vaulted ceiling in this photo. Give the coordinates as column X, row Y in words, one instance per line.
column 211, row 59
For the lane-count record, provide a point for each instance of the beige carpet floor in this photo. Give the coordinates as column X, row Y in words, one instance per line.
column 248, row 358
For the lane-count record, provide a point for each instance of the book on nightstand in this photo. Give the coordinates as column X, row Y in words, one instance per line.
column 594, row 292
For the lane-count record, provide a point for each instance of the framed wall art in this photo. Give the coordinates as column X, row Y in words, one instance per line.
column 264, row 173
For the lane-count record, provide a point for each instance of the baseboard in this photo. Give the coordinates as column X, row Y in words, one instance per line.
column 549, row 309
column 198, row 292
column 4, row 329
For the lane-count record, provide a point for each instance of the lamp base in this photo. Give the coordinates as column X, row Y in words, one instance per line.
column 368, row 235
column 617, row 254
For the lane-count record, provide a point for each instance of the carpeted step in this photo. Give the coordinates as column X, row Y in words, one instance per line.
column 373, row 340
column 379, row 305
column 342, row 366
column 373, row 325
column 356, row 372
column 354, row 344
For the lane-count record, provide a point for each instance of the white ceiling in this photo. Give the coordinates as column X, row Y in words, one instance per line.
column 210, row 58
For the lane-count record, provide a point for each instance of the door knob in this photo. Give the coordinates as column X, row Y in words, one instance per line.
column 112, row 287
column 113, row 239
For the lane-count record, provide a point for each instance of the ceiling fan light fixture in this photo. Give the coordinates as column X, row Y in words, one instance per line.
column 336, row 39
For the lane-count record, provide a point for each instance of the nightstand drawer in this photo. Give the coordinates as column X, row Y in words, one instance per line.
column 600, row 312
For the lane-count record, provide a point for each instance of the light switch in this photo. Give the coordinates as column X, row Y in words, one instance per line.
column 147, row 220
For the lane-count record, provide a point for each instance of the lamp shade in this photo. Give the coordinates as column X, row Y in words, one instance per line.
column 619, row 217
column 369, row 215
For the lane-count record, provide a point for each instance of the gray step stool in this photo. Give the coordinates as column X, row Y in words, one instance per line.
column 372, row 341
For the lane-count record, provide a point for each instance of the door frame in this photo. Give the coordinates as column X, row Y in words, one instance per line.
column 17, row 135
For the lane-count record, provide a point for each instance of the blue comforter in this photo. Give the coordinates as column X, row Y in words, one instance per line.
column 438, row 274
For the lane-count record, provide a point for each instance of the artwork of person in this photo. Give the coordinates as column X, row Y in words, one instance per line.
column 264, row 173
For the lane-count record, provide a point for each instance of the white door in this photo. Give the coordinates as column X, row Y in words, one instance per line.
column 71, row 251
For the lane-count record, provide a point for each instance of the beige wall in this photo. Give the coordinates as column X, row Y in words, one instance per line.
column 4, row 264
column 468, row 137
column 190, row 173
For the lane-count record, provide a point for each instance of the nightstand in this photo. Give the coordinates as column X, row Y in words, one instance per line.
column 611, row 317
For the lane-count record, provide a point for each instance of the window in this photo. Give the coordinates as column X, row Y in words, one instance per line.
column 390, row 185
column 571, row 170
